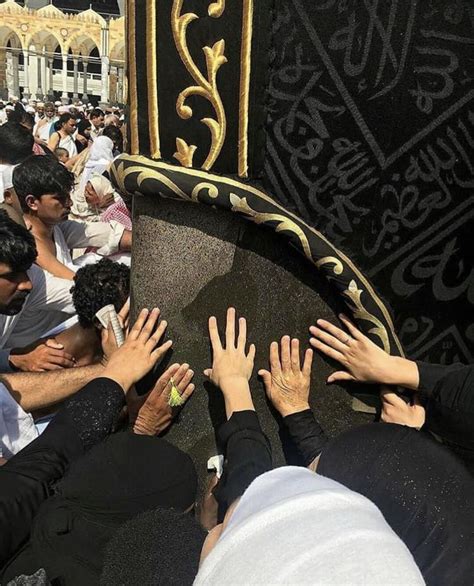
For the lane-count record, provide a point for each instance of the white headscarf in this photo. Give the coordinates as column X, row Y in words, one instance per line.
column 100, row 157
column 6, row 181
column 292, row 526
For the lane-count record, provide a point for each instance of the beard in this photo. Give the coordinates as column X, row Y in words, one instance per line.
column 15, row 306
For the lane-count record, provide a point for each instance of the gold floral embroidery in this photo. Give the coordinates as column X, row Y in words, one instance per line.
column 205, row 87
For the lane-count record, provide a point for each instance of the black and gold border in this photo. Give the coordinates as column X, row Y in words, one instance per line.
column 135, row 174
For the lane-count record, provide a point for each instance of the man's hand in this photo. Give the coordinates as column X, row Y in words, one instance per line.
column 287, row 384
column 156, row 414
column 395, row 410
column 139, row 353
column 231, row 366
column 48, row 355
column 363, row 360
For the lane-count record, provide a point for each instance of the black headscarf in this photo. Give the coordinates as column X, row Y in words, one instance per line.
column 120, row 478
column 424, row 492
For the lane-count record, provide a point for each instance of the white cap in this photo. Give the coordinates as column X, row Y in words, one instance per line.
column 58, row 103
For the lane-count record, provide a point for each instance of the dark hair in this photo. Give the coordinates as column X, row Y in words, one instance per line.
column 62, row 120
column 83, row 125
column 17, row 245
column 95, row 113
column 166, row 549
column 115, row 135
column 97, row 285
column 39, row 175
column 21, row 116
column 16, row 143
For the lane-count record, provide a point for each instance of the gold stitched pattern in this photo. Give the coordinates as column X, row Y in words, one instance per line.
column 245, row 67
column 132, row 77
column 331, row 260
column 206, row 87
column 151, row 65
column 354, row 293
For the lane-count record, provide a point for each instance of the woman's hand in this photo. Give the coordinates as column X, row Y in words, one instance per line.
column 396, row 410
column 139, row 353
column 363, row 360
column 156, row 414
column 287, row 384
column 231, row 366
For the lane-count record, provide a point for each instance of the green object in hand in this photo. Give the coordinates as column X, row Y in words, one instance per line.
column 175, row 399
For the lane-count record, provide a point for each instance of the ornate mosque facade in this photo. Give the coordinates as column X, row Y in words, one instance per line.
column 51, row 54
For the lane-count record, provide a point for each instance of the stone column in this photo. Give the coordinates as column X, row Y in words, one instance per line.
column 120, row 85
column 85, row 97
column 44, row 75
column 105, row 61
column 16, row 75
column 64, row 95
column 113, row 80
column 26, row 76
column 104, row 73
column 50, row 75
column 39, row 77
column 76, row 79
column 4, row 73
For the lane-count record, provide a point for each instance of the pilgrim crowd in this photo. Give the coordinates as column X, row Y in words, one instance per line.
column 90, row 491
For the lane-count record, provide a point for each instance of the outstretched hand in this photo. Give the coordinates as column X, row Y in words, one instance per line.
column 363, row 360
column 231, row 366
column 287, row 384
column 140, row 351
column 157, row 410
column 396, row 410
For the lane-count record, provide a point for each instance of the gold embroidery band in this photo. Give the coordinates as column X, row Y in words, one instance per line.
column 132, row 78
column 151, row 59
column 245, row 66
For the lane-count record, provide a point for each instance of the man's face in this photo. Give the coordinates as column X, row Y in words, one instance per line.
column 51, row 208
column 70, row 126
column 50, row 112
column 98, row 122
column 15, row 287
column 40, row 110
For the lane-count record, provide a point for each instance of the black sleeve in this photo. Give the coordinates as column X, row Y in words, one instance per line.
column 306, row 434
column 26, row 480
column 450, row 405
column 247, row 455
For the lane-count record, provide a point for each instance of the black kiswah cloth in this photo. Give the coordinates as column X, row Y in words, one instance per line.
column 120, row 478
column 424, row 492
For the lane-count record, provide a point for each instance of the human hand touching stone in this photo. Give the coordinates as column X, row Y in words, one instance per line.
column 287, row 384
column 232, row 366
column 164, row 401
column 140, row 351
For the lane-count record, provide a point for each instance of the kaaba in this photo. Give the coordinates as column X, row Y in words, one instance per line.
column 293, row 158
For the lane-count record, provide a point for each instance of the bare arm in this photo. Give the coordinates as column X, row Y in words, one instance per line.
column 47, row 261
column 126, row 241
column 34, row 391
column 53, row 141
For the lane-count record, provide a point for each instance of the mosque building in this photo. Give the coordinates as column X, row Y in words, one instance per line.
column 65, row 50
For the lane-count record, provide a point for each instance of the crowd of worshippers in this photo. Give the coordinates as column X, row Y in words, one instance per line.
column 89, row 490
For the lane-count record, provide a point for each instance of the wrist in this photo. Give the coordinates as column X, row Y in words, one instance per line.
column 119, row 378
column 285, row 410
column 15, row 361
column 402, row 372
